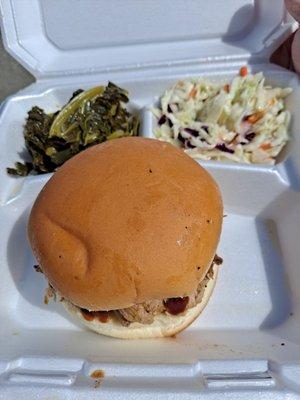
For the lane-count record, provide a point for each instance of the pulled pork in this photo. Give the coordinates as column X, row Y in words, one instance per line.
column 145, row 312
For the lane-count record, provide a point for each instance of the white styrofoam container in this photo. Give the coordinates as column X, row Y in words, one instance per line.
column 246, row 344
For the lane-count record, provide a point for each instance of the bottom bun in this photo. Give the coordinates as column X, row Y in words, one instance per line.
column 163, row 325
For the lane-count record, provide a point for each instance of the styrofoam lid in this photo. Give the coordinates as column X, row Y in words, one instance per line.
column 79, row 36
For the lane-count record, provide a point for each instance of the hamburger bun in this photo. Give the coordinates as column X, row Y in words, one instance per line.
column 124, row 222
column 164, row 325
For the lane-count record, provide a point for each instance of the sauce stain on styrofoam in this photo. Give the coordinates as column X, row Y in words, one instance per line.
column 97, row 383
column 98, row 375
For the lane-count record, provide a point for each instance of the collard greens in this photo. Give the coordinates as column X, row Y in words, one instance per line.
column 90, row 117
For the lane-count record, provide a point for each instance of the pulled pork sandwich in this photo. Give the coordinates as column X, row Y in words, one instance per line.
column 126, row 233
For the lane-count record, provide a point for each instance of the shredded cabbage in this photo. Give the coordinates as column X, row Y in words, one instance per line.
column 245, row 121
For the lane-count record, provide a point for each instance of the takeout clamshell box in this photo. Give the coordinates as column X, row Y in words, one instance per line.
column 246, row 344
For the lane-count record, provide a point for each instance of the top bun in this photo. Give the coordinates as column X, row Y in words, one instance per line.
column 126, row 221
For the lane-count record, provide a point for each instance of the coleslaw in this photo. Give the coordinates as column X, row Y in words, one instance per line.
column 245, row 121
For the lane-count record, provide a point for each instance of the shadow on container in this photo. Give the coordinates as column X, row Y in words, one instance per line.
column 30, row 284
column 286, row 204
column 274, row 269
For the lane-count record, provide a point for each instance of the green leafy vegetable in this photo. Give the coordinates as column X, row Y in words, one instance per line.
column 20, row 169
column 90, row 117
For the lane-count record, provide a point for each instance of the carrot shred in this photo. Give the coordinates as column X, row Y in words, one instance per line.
column 243, row 71
column 193, row 93
column 253, row 118
column 265, row 146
